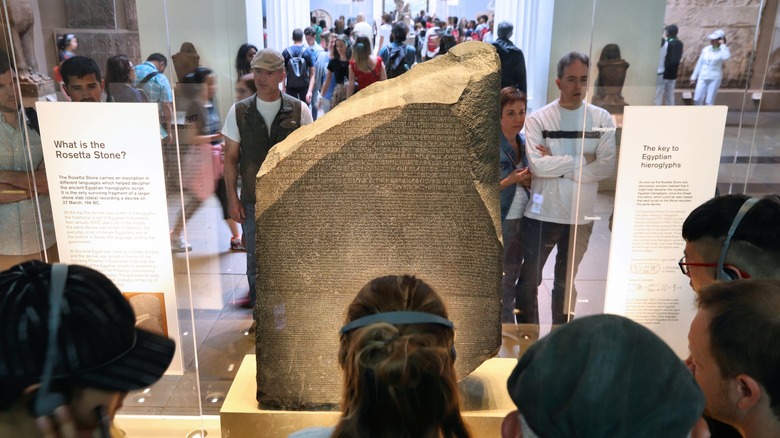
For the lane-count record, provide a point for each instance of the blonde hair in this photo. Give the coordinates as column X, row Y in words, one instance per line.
column 361, row 53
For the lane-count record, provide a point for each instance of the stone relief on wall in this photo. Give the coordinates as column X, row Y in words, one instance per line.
column 22, row 19
column 609, row 83
column 186, row 60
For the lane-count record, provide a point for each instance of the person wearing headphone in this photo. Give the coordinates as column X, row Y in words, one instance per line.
column 70, row 351
column 732, row 237
column 397, row 352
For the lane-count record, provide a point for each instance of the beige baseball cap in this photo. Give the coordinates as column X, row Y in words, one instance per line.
column 268, row 59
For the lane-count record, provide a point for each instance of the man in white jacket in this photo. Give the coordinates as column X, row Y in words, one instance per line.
column 580, row 138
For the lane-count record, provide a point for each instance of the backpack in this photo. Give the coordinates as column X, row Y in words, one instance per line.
column 297, row 70
column 418, row 41
column 396, row 64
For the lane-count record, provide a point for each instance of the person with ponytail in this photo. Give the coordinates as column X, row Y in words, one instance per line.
column 364, row 68
column 397, row 353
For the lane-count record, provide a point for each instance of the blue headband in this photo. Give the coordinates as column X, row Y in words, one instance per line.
column 398, row 318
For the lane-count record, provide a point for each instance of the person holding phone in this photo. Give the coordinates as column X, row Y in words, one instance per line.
column 515, row 182
column 709, row 69
column 70, row 352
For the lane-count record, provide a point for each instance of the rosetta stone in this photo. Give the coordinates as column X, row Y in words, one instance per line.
column 401, row 178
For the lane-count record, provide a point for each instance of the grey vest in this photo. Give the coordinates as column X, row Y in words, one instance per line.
column 255, row 141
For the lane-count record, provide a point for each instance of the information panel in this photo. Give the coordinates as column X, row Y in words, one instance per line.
column 669, row 159
column 105, row 174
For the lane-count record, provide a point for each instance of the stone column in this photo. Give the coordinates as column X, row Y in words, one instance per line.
column 533, row 20
column 282, row 17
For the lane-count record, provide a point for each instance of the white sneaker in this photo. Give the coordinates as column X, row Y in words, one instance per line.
column 178, row 244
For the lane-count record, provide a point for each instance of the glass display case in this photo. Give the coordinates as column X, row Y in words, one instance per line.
column 167, row 237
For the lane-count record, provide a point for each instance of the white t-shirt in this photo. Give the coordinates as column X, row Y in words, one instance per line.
column 428, row 33
column 366, row 29
column 384, row 31
column 267, row 110
column 518, row 203
column 662, row 62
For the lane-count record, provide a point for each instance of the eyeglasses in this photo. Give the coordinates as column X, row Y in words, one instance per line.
column 684, row 265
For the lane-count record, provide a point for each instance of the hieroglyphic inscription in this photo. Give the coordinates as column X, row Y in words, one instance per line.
column 90, row 14
column 389, row 192
column 394, row 160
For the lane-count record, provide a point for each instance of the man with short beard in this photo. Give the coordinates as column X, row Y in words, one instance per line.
column 81, row 76
column 734, row 341
column 729, row 238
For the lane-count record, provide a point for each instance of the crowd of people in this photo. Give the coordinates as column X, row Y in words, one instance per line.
column 595, row 376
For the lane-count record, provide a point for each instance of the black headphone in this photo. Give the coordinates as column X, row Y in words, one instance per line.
column 46, row 401
column 401, row 317
column 723, row 272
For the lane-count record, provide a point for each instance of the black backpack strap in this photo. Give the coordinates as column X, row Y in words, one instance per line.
column 32, row 119
column 299, row 52
column 148, row 77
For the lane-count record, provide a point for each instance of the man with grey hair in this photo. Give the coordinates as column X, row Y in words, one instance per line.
column 512, row 59
column 252, row 127
column 580, row 138
column 364, row 27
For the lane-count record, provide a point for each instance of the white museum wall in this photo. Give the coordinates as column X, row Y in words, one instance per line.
column 215, row 27
column 634, row 25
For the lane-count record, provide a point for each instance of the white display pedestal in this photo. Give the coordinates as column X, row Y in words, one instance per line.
column 485, row 402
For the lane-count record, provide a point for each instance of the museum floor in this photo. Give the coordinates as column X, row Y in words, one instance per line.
column 209, row 319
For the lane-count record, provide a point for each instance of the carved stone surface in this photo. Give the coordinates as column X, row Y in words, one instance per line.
column 609, row 83
column 698, row 18
column 131, row 15
column 400, row 178
column 21, row 20
column 186, row 60
column 90, row 14
column 37, row 89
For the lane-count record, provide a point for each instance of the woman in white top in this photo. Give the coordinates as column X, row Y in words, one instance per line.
column 709, row 70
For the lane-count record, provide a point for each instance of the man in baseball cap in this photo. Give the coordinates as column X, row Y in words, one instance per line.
column 69, row 351
column 246, row 144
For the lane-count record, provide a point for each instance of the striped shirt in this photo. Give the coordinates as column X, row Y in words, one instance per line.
column 568, row 135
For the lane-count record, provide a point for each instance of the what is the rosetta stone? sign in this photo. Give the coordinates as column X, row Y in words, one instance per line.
column 402, row 178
